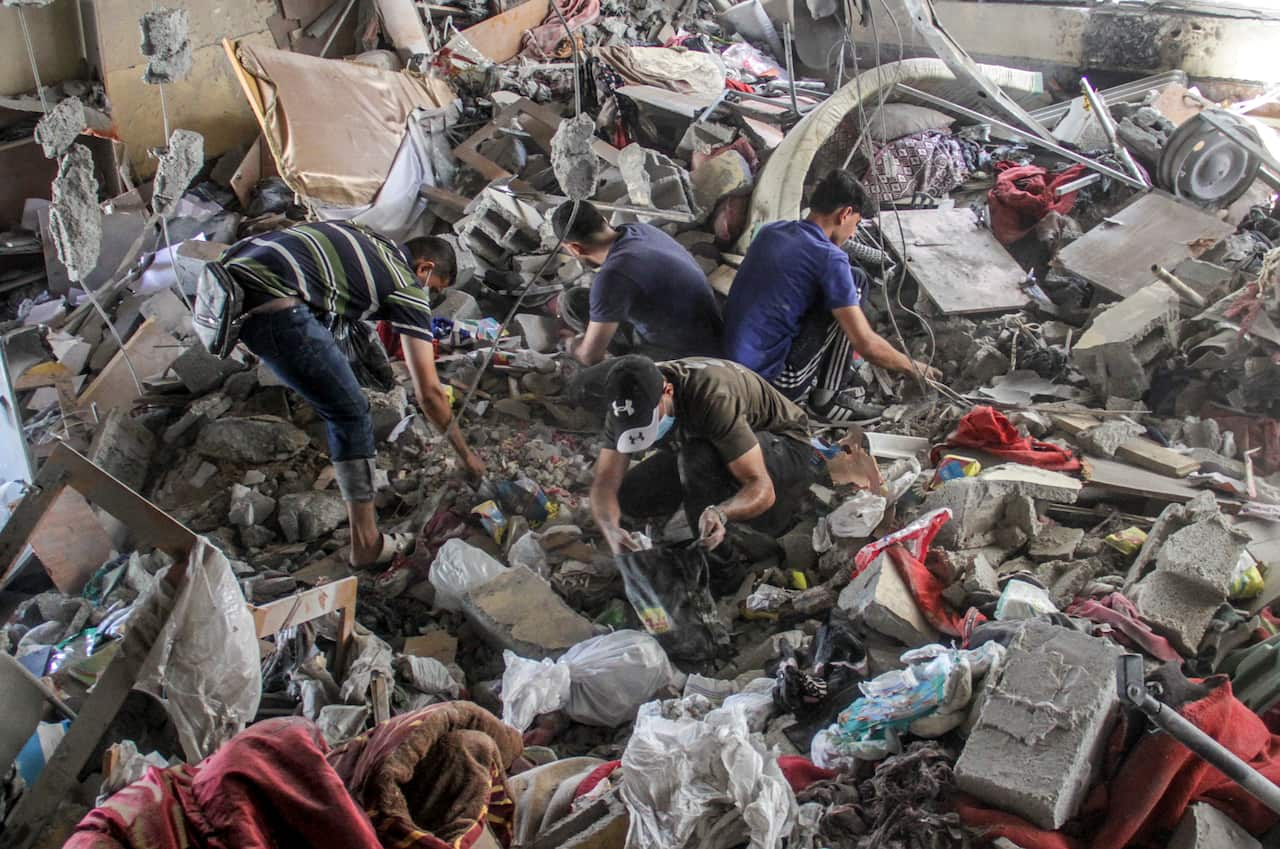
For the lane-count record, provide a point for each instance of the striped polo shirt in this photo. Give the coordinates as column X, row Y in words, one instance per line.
column 335, row 267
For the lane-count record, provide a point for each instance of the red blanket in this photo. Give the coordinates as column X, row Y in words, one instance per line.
column 1156, row 783
column 1023, row 194
column 990, row 430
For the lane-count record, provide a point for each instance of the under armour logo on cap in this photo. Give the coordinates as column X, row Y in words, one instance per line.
column 636, row 437
column 621, row 409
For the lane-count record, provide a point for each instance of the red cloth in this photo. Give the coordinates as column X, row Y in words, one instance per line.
column 544, row 41
column 800, row 772
column 1157, row 782
column 390, row 340
column 269, row 787
column 594, row 777
column 1130, row 628
column 737, row 85
column 1023, row 194
column 991, row 430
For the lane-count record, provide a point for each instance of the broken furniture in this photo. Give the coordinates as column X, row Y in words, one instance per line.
column 307, row 605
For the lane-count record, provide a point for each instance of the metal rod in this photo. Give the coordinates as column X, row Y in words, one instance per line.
column 1186, row 733
column 1188, row 294
column 31, row 55
column 1105, row 170
column 1076, row 185
column 1108, row 124
column 342, row 19
column 791, row 72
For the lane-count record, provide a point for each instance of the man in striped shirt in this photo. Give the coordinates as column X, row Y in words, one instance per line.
column 290, row 276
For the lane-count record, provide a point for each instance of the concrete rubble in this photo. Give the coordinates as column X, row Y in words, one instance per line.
column 932, row 640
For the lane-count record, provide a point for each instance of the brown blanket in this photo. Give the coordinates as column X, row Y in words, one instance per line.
column 433, row 778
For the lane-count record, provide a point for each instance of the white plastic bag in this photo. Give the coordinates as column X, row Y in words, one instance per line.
column 531, row 688
column 601, row 681
column 1023, row 600
column 858, row 516
column 612, row 675
column 528, row 552
column 204, row 665
column 457, row 568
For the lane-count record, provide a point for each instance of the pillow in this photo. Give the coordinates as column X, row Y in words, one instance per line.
column 904, row 119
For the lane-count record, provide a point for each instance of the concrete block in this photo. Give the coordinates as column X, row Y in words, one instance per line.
column 60, row 126
column 983, row 514
column 1055, row 543
column 1043, row 725
column 1109, row 436
column 1205, row 827
column 1032, row 481
column 258, row 440
column 883, row 601
column 122, row 447
column 520, row 611
column 1205, row 553
column 1176, row 607
column 1124, row 340
column 166, row 45
column 305, row 516
column 387, row 409
column 202, row 372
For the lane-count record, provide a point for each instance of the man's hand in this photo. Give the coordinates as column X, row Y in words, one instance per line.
column 711, row 526
column 475, row 466
column 925, row 370
column 620, row 541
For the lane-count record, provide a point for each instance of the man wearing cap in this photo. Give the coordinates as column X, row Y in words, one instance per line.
column 794, row 313
column 731, row 449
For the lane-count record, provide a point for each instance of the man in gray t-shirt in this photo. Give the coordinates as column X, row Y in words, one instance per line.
column 649, row 296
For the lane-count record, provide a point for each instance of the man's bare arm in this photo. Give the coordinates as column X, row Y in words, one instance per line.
column 420, row 356
column 874, row 347
column 610, row 467
column 594, row 344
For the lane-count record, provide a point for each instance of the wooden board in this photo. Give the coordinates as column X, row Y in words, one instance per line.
column 311, row 604
column 151, row 350
column 960, row 265
column 1156, row 229
column 1157, row 458
column 1117, row 476
column 70, row 542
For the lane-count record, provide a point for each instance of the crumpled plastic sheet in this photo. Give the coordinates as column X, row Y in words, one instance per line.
column 128, row 767
column 709, row 782
column 204, row 663
column 428, row 675
column 930, row 697
column 368, row 656
column 856, row 518
column 601, row 681
column 457, row 568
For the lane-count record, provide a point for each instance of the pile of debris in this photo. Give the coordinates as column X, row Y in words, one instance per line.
column 939, row 652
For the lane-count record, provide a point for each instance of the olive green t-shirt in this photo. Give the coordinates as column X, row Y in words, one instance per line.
column 725, row 403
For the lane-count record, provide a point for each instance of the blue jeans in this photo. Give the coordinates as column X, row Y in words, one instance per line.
column 303, row 354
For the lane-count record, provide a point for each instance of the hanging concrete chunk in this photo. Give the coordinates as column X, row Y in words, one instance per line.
column 58, row 129
column 179, row 164
column 575, row 164
column 75, row 219
column 166, row 45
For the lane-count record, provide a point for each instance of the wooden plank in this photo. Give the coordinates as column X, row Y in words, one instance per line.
column 151, row 350
column 311, row 604
column 498, row 37
column 1157, row 458
column 70, row 542
column 437, row 643
column 959, row 264
column 1155, row 229
column 1120, row 477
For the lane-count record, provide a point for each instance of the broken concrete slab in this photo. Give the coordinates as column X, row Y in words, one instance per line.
column 1205, row 827
column 1034, row 482
column 179, row 165
column 1176, row 608
column 60, row 126
column 1043, row 726
column 166, row 44
column 1055, row 543
column 1109, row 436
column 249, row 507
column 207, row 408
column 387, row 409
column 202, row 372
column 655, row 180
column 1127, row 339
column 573, row 160
column 520, row 611
column 256, row 440
column 1205, row 553
column 123, row 447
column 306, row 516
column 883, row 601
column 983, row 513
column 75, row 219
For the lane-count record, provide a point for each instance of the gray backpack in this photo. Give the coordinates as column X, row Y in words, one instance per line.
column 219, row 310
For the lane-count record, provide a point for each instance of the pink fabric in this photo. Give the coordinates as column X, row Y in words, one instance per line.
column 543, row 41
column 1118, row 612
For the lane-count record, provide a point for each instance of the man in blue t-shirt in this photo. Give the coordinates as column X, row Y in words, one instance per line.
column 648, row 297
column 794, row 315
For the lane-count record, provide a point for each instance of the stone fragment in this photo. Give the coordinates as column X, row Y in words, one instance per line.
column 209, row 407
column 1055, row 543
column 1205, row 553
column 249, row 507
column 60, row 126
column 306, row 516
column 1127, row 339
column 655, row 180
column 256, row 536
column 520, row 611
column 1202, row 433
column 983, row 513
column 253, row 477
column 882, row 600
column 1205, row 827
column 166, row 45
column 1109, row 436
column 1032, row 481
column 200, row 371
column 256, row 440
column 1176, row 608
column 179, row 165
column 122, row 447
column 1045, row 721
column 75, row 219
column 575, row 164
column 387, row 410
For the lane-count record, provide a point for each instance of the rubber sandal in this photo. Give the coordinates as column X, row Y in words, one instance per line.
column 392, row 544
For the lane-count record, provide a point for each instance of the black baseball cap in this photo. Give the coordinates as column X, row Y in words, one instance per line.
column 633, row 391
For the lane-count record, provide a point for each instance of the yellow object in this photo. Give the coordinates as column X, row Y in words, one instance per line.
column 954, row 466
column 1127, row 541
column 798, row 580
column 1248, row 584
